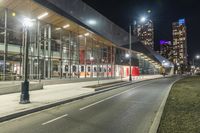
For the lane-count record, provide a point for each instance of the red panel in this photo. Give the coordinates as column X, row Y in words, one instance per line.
column 82, row 56
column 135, row 71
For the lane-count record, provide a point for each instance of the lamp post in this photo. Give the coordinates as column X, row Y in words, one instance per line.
column 130, row 42
column 142, row 20
column 24, row 98
column 193, row 60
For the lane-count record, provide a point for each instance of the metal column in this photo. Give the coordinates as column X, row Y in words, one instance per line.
column 31, row 57
column 44, row 51
column 91, row 60
column 107, row 63
column 5, row 43
column 61, row 56
column 130, row 55
column 70, row 60
column 114, row 69
column 38, row 49
column 49, row 51
column 78, row 50
column 85, row 62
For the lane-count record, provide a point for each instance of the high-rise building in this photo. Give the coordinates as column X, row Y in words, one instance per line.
column 179, row 42
column 145, row 33
column 166, row 49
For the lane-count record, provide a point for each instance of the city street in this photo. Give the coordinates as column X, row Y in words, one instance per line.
column 129, row 109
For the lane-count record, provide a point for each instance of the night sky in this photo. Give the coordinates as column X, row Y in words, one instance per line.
column 164, row 12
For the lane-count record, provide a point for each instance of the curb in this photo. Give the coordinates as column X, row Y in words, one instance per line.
column 157, row 119
column 109, row 86
column 47, row 106
column 43, row 107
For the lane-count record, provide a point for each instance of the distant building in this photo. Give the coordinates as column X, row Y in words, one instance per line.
column 145, row 33
column 180, row 42
column 166, row 49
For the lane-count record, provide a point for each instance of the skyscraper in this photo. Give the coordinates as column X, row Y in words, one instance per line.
column 179, row 42
column 166, row 49
column 145, row 33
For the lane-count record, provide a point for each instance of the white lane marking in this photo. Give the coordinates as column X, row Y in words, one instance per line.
column 90, row 105
column 54, row 119
column 35, row 113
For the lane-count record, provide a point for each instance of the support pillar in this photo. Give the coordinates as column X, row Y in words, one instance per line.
column 38, row 38
column 85, row 62
column 44, row 52
column 5, row 43
column 61, row 56
column 49, row 51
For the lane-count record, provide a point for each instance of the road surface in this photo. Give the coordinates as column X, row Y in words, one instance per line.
column 129, row 109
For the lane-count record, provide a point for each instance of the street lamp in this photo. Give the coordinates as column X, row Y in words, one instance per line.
column 196, row 57
column 24, row 98
column 143, row 19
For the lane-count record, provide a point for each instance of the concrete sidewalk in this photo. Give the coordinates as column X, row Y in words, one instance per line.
column 9, row 104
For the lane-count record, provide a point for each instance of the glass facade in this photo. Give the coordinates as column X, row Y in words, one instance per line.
column 56, row 51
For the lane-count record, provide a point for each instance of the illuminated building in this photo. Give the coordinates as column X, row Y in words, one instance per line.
column 145, row 33
column 179, row 42
column 68, row 40
column 166, row 49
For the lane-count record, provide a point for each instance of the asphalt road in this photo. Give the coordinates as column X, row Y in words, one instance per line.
column 129, row 109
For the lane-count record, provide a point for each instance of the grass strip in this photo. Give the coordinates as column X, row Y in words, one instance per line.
column 182, row 110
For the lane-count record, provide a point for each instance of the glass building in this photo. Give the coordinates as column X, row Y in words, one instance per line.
column 68, row 39
column 145, row 33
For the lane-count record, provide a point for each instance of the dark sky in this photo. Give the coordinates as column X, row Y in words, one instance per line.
column 164, row 12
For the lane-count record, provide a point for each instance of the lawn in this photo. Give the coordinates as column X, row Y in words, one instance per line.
column 182, row 109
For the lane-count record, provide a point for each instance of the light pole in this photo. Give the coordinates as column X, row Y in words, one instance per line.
column 130, row 42
column 142, row 20
column 24, row 98
column 193, row 60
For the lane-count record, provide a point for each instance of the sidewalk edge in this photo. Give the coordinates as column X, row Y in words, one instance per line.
column 157, row 118
column 57, row 103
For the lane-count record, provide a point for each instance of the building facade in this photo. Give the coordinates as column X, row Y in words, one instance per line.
column 145, row 33
column 166, row 50
column 64, row 42
column 180, row 42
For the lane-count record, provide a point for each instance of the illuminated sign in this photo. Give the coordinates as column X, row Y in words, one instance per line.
column 181, row 21
column 163, row 42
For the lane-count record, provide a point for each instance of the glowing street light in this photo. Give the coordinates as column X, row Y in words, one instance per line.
column 143, row 19
column 196, row 57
